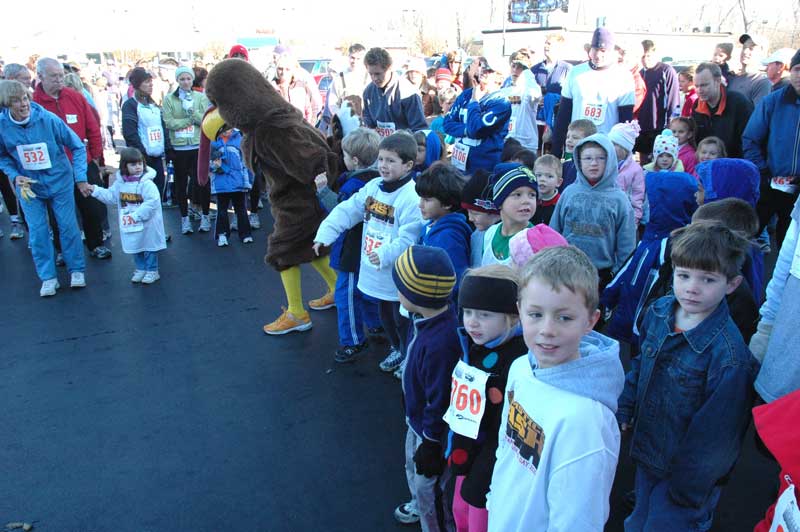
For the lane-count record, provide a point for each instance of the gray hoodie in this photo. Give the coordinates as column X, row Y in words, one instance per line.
column 597, row 219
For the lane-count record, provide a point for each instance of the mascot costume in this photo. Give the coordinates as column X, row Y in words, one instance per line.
column 290, row 153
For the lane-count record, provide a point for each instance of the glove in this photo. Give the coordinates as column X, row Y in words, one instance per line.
column 429, row 459
column 760, row 340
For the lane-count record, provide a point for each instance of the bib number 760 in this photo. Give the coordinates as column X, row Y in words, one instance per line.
column 462, row 396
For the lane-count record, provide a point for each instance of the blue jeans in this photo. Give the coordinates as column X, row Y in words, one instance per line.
column 353, row 309
column 656, row 512
column 63, row 205
column 146, row 260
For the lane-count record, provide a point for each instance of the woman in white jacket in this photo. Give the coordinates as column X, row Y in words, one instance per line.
column 138, row 201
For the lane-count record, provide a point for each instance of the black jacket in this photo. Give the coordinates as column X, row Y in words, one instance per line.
column 727, row 121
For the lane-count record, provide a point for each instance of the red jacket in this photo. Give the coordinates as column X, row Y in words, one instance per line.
column 776, row 423
column 76, row 112
column 688, row 103
column 639, row 89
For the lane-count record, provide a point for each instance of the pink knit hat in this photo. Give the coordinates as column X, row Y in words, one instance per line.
column 525, row 244
column 625, row 135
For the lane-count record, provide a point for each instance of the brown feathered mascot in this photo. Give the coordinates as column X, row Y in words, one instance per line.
column 290, row 153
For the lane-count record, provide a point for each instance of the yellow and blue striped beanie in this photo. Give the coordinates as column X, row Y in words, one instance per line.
column 425, row 276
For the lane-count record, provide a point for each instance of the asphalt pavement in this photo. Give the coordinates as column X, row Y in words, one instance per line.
column 128, row 408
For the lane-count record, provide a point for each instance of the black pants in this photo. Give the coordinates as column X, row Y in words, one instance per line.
column 238, row 200
column 91, row 211
column 394, row 324
column 255, row 192
column 772, row 202
column 185, row 163
column 157, row 164
column 9, row 198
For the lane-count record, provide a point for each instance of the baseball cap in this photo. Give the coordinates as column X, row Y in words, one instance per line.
column 781, row 55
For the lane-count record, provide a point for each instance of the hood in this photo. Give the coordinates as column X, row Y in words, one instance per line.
column 609, row 177
column 597, row 375
column 730, row 178
column 672, row 202
column 454, row 221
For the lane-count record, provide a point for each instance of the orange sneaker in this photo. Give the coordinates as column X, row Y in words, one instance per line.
column 323, row 303
column 288, row 322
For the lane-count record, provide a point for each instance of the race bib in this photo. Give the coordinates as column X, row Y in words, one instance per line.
column 155, row 136
column 34, row 156
column 784, row 184
column 459, row 156
column 185, row 132
column 72, row 119
column 385, row 129
column 467, row 400
column 596, row 112
column 787, row 514
column 511, row 124
column 128, row 203
column 374, row 239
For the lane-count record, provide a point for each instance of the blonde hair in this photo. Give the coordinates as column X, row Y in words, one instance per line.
column 564, row 267
column 506, row 273
column 10, row 90
column 549, row 161
column 362, row 143
column 716, row 141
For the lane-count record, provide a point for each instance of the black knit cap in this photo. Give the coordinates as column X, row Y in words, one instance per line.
column 488, row 293
column 477, row 194
column 139, row 76
column 795, row 59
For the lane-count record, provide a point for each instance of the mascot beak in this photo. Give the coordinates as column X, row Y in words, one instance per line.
column 212, row 123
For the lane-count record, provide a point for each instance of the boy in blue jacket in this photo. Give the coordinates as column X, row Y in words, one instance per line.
column 439, row 188
column 688, row 396
column 425, row 278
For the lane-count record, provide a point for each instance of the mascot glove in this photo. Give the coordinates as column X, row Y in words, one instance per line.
column 760, row 340
column 429, row 459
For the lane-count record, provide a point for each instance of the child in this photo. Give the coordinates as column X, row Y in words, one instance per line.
column 439, row 188
column 447, row 98
column 691, row 388
column 722, row 54
column 547, row 170
column 141, row 226
column 231, row 181
column 525, row 244
column 424, row 278
column 558, row 442
column 710, row 148
column 684, row 130
column 665, row 154
column 476, row 199
column 577, row 131
column 686, row 85
column 389, row 208
column 594, row 214
column 491, row 340
column 353, row 309
column 430, row 149
column 673, row 201
column 630, row 178
column 514, row 192
column 525, row 157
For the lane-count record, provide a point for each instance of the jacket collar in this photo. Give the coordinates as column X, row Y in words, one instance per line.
column 704, row 334
column 789, row 94
column 703, row 108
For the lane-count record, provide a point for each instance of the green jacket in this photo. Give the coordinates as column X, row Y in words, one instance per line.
column 184, row 127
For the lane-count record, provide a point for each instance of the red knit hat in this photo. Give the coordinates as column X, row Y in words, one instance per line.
column 444, row 74
column 239, row 49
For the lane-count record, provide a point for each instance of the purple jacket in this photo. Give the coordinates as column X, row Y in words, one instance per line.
column 662, row 100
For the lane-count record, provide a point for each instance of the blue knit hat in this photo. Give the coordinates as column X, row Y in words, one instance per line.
column 183, row 70
column 425, row 276
column 507, row 178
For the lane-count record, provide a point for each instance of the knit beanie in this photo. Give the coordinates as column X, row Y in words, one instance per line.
column 476, row 194
column 525, row 244
column 603, row 38
column 239, row 49
column 507, row 178
column 139, row 76
column 624, row 135
column 795, row 59
column 666, row 142
column 183, row 70
column 444, row 74
column 425, row 276
column 488, row 293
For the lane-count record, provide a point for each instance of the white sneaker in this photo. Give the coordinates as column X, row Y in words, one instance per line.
column 222, row 241
column 247, row 240
column 49, row 287
column 205, row 224
column 186, row 226
column 138, row 275
column 77, row 280
column 150, row 277
column 255, row 221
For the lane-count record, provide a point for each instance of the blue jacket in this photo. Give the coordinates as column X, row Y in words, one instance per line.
column 432, row 353
column 480, row 125
column 227, row 171
column 399, row 103
column 671, row 195
column 688, row 396
column 771, row 139
column 569, row 174
column 453, row 234
column 43, row 127
column 346, row 250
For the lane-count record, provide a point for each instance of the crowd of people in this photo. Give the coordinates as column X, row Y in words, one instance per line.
column 503, row 228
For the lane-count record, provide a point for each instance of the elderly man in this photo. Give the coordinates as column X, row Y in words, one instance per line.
column 17, row 72
column 778, row 67
column 770, row 142
column 74, row 110
column 750, row 81
column 391, row 102
column 719, row 112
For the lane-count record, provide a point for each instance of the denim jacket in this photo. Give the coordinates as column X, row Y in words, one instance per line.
column 689, row 396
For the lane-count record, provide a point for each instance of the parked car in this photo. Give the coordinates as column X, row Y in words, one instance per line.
column 317, row 67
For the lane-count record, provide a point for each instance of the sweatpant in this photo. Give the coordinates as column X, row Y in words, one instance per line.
column 656, row 512
column 354, row 310
column 146, row 261
column 394, row 324
column 185, row 163
column 63, row 205
column 91, row 210
column 774, row 202
column 468, row 518
column 238, row 200
column 427, row 492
